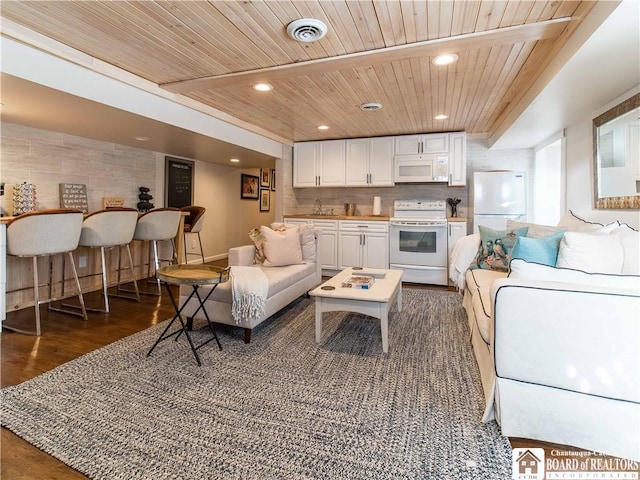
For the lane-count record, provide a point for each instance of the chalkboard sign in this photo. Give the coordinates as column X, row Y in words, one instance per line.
column 74, row 195
column 178, row 182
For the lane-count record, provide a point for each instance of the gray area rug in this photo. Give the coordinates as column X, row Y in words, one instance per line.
column 282, row 407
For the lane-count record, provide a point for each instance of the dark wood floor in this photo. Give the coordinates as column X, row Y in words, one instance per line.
column 67, row 337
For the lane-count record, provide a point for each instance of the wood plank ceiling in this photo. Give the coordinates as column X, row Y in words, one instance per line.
column 374, row 51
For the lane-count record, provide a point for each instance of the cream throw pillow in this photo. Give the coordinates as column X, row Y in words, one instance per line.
column 307, row 239
column 591, row 252
column 281, row 248
column 535, row 230
column 630, row 240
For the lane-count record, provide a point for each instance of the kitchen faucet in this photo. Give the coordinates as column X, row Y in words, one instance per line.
column 318, row 209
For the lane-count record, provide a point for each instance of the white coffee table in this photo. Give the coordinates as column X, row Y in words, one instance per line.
column 375, row 301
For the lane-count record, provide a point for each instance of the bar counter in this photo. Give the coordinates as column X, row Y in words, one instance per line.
column 19, row 278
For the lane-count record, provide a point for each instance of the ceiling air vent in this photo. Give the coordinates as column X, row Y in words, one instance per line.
column 371, row 106
column 307, row 30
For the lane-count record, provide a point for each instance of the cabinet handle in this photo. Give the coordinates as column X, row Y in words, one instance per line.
column 449, row 229
column 450, row 178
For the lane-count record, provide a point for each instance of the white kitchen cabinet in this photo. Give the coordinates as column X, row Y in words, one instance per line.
column 363, row 244
column 369, row 162
column 457, row 159
column 319, row 164
column 425, row 143
column 328, row 238
column 456, row 230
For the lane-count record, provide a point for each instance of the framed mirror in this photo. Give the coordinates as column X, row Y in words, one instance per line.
column 616, row 156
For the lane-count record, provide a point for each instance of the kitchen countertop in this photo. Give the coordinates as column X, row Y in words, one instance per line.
column 377, row 218
column 380, row 218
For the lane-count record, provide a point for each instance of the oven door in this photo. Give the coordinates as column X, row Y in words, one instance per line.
column 416, row 243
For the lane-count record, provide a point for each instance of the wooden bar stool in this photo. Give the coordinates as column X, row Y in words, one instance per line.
column 46, row 233
column 155, row 226
column 193, row 224
column 106, row 229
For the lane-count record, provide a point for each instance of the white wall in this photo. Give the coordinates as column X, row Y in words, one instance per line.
column 579, row 161
column 228, row 219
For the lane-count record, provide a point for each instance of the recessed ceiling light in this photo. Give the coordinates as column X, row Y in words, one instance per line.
column 263, row 87
column 371, row 106
column 441, row 117
column 323, row 127
column 445, row 59
column 234, row 160
column 142, row 139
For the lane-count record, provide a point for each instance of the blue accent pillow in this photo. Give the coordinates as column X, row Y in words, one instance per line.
column 538, row 250
column 495, row 248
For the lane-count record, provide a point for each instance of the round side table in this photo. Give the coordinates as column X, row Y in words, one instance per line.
column 196, row 276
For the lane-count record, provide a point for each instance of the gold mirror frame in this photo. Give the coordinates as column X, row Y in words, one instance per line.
column 624, row 202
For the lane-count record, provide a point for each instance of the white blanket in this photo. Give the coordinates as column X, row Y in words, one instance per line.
column 249, row 286
column 464, row 251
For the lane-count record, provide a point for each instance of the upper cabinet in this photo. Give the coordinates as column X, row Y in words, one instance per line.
column 427, row 143
column 370, row 162
column 457, row 159
column 319, row 164
column 381, row 161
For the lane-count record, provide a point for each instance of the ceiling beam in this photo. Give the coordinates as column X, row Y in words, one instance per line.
column 521, row 33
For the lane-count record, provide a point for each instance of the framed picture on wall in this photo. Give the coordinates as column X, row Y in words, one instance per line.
column 249, row 188
column 265, row 177
column 273, row 179
column 265, row 200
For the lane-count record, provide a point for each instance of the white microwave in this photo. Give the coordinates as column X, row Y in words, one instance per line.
column 421, row 168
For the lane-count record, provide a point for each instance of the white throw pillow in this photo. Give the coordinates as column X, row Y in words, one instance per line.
column 281, row 248
column 591, row 252
column 520, row 269
column 307, row 239
column 630, row 240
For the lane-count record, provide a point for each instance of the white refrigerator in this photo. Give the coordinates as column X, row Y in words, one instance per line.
column 497, row 197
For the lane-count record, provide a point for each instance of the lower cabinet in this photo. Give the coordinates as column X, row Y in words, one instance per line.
column 456, row 230
column 350, row 243
column 329, row 240
column 363, row 244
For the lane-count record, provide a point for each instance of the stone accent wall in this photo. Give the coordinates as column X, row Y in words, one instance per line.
column 47, row 158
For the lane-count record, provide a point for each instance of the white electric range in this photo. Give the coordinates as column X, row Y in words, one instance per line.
column 418, row 241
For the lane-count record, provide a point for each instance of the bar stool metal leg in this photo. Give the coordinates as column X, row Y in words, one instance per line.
column 133, row 277
column 83, row 311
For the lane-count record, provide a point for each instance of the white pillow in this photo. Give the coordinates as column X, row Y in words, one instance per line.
column 591, row 252
column 523, row 270
column 281, row 248
column 630, row 240
column 307, row 239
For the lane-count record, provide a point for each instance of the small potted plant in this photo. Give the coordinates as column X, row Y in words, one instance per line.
column 453, row 203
